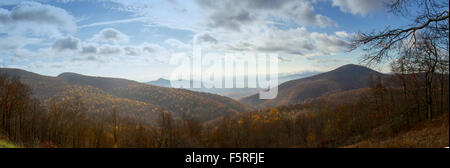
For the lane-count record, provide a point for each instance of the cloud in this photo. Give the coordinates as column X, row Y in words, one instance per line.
column 8, row 45
column 86, row 59
column 4, row 15
column 327, row 61
column 110, row 50
column 361, row 7
column 16, row 42
column 297, row 41
column 235, row 14
column 89, row 48
column 206, row 38
column 133, row 51
column 282, row 59
column 156, row 52
column 304, row 14
column 110, row 35
column 342, row 34
column 292, row 41
column 25, row 54
column 37, row 19
column 177, row 44
column 67, row 43
column 151, row 48
column 138, row 19
column 230, row 20
column 329, row 43
column 15, row 2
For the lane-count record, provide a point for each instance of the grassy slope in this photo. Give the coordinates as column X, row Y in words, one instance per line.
column 434, row 134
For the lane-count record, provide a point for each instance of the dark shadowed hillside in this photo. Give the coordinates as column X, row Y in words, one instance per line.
column 44, row 86
column 344, row 78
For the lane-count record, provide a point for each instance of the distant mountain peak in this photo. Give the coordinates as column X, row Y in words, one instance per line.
column 160, row 82
column 351, row 70
column 65, row 74
column 344, row 78
column 162, row 79
column 352, row 67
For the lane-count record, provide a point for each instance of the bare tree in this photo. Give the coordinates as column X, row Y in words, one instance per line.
column 431, row 22
column 421, row 47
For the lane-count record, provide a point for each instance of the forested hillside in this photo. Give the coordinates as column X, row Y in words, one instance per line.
column 389, row 112
column 129, row 97
column 344, row 78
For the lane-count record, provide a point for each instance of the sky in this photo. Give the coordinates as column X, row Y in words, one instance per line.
column 135, row 39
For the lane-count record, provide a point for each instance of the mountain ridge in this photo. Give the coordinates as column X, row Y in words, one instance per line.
column 343, row 78
column 234, row 93
column 179, row 102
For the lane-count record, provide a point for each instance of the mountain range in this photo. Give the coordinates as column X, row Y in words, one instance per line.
column 235, row 93
column 145, row 100
column 131, row 98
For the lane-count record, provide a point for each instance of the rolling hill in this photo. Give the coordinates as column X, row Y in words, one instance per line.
column 347, row 77
column 131, row 98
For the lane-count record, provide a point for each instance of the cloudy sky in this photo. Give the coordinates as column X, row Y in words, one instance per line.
column 134, row 39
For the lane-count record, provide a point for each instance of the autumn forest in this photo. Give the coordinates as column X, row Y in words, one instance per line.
column 396, row 96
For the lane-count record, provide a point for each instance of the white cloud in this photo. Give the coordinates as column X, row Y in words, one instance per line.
column 42, row 53
column 292, row 41
column 35, row 19
column 66, row 43
column 342, row 34
column 113, row 22
column 156, row 52
column 89, row 58
column 206, row 38
column 177, row 44
column 151, row 48
column 304, row 14
column 15, row 2
column 89, row 48
column 297, row 41
column 109, row 50
column 328, row 44
column 235, row 14
column 361, row 7
column 16, row 42
column 110, row 35
column 132, row 50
